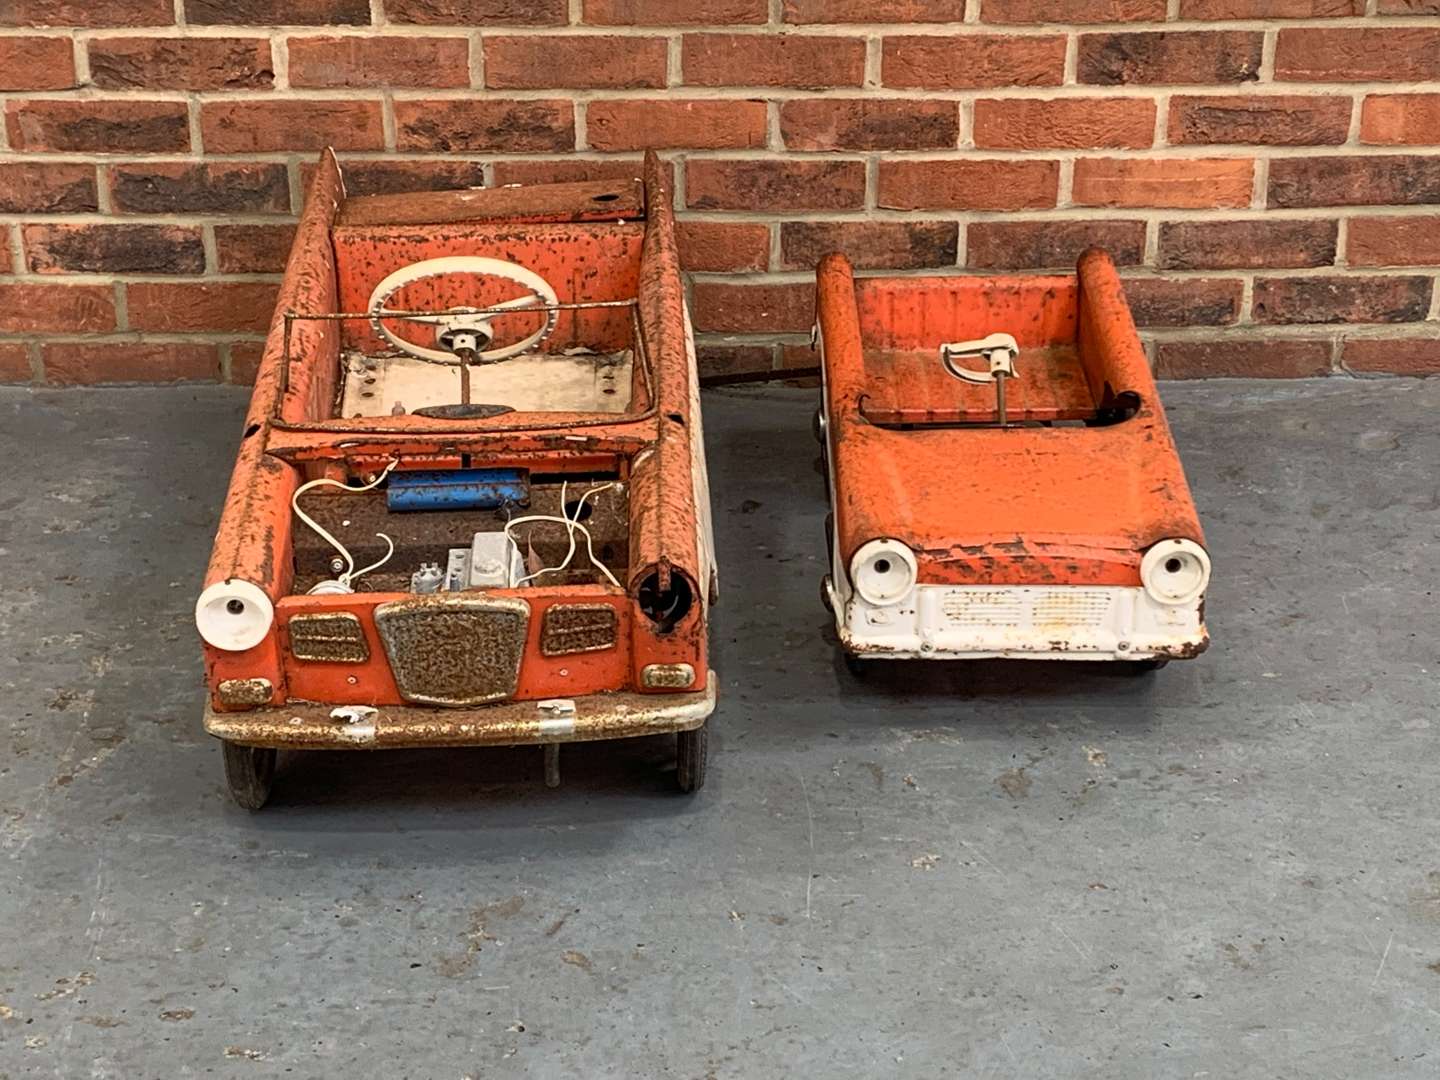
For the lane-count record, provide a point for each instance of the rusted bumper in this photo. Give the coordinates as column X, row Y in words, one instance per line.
column 308, row 726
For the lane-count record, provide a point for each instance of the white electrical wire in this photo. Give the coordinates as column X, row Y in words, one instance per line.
column 347, row 578
column 572, row 525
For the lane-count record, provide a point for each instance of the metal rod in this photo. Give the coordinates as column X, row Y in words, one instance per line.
column 385, row 313
column 552, row 764
column 1000, row 378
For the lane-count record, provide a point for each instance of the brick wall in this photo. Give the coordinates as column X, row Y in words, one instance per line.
column 1268, row 171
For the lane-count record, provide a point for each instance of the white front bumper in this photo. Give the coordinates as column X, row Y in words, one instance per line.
column 1056, row 622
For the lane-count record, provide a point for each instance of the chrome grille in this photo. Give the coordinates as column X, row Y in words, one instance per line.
column 454, row 650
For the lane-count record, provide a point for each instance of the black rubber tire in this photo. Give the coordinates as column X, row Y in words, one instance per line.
column 825, row 595
column 692, row 755
column 250, row 774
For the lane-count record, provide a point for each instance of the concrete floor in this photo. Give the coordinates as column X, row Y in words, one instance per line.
column 1227, row 869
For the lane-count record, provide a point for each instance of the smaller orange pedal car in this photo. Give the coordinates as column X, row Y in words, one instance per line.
column 470, row 506
column 1002, row 478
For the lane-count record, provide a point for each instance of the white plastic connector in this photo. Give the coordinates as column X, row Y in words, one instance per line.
column 234, row 615
column 883, row 571
column 1175, row 571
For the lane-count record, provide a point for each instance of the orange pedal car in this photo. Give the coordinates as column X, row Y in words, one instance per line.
column 1002, row 478
column 470, row 506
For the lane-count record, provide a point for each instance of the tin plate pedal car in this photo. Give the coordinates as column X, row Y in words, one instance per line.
column 470, row 506
column 1002, row 477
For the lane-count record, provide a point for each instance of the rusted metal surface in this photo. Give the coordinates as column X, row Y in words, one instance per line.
column 577, row 628
column 1048, row 505
column 667, row 676
column 585, row 200
column 584, row 264
column 307, row 726
column 454, row 649
column 244, row 693
column 406, row 651
column 331, row 637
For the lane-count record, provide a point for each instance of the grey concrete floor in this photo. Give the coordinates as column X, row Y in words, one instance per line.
column 1227, row 869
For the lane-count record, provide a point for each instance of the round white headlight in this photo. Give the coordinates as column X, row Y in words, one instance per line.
column 234, row 615
column 1175, row 571
column 883, row 571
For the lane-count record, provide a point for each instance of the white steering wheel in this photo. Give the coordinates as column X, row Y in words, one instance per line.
column 468, row 320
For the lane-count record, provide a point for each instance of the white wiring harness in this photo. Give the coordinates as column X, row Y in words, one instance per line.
column 346, row 579
column 572, row 526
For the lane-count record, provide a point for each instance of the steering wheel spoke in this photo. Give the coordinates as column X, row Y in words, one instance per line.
column 539, row 295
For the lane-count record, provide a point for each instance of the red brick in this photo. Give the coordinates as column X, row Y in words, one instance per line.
column 1270, row 9
column 106, row 127
column 479, row 12
column 1198, row 183
column 1395, row 356
column 1184, row 301
column 880, row 245
column 1400, row 119
column 15, row 364
column 765, row 186
column 667, row 123
column 96, row 362
column 388, row 61
column 966, row 61
column 247, row 127
column 1358, row 54
column 1063, row 123
column 1337, row 299
column 1393, row 241
column 1256, row 242
column 1050, row 245
column 790, row 60
column 192, row 63
column 245, row 357
column 873, row 11
column 387, row 176
column 226, row 307
column 869, row 124
column 767, row 308
column 87, row 13
column 592, row 61
column 1170, row 57
column 278, row 12
column 723, row 246
column 1072, row 11
column 65, row 309
column 1242, row 358
column 484, row 124
column 968, row 185
column 114, row 249
column 253, row 249
column 1394, row 179
column 716, row 360
column 214, row 188
column 674, row 12
column 36, row 63
column 566, row 170
column 1268, row 120
column 43, row 188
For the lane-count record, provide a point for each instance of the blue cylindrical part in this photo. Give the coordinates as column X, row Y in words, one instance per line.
column 457, row 489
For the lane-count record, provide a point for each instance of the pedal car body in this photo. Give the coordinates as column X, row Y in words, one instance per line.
column 1046, row 517
column 470, row 505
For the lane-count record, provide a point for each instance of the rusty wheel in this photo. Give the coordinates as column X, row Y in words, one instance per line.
column 250, row 774
column 692, row 752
